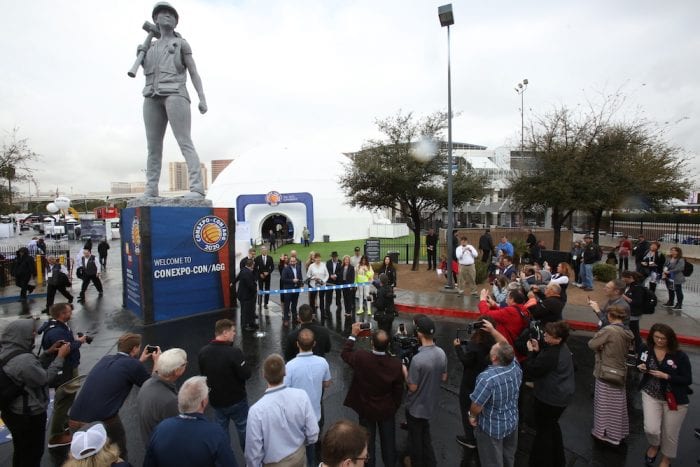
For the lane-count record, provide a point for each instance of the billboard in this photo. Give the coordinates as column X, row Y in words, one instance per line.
column 177, row 261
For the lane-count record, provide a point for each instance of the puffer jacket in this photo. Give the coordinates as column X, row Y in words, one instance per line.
column 25, row 368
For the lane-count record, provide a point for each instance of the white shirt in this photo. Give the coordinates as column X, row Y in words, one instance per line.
column 466, row 255
column 317, row 272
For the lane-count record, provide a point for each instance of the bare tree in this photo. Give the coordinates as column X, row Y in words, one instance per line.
column 15, row 159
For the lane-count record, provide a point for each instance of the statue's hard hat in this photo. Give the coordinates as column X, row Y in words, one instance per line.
column 164, row 6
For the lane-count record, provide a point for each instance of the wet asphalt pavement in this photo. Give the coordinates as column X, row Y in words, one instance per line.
column 105, row 321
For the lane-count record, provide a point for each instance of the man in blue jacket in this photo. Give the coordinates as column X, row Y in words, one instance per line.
column 55, row 330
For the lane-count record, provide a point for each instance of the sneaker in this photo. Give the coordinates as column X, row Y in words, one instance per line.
column 678, row 307
column 265, row 306
column 467, row 443
column 64, row 439
column 668, row 303
column 361, row 311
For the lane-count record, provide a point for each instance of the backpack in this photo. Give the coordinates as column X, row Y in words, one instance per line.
column 9, row 390
column 650, row 301
column 688, row 268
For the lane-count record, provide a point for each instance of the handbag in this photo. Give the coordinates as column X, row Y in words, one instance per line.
column 671, row 400
column 80, row 272
column 613, row 376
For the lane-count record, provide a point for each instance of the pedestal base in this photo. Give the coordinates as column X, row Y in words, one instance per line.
column 177, row 261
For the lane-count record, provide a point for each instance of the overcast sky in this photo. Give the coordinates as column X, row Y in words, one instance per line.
column 319, row 72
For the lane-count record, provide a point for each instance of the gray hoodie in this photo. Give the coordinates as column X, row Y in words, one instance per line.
column 25, row 368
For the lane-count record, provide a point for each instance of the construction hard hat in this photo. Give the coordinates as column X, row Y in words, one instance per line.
column 164, row 6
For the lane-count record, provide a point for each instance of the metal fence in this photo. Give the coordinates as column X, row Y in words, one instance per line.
column 673, row 228
column 7, row 259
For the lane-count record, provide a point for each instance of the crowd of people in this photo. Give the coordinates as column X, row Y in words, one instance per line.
column 519, row 344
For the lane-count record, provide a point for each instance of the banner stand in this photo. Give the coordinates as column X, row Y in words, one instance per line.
column 177, row 261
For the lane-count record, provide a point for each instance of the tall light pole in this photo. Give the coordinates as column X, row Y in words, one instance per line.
column 447, row 19
column 520, row 89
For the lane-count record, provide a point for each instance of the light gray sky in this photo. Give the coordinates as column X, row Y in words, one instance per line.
column 318, row 73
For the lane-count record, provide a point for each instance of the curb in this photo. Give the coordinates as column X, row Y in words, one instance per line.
column 472, row 315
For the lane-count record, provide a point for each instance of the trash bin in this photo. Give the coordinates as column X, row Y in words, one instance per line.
column 394, row 255
column 326, row 238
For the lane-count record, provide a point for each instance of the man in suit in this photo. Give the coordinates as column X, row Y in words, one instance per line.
column 333, row 265
column 376, row 390
column 264, row 265
column 251, row 255
column 247, row 291
column 291, row 279
column 347, row 276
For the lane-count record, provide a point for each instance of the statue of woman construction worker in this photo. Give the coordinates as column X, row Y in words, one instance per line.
column 166, row 99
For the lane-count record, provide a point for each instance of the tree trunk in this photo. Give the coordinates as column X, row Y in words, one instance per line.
column 597, row 216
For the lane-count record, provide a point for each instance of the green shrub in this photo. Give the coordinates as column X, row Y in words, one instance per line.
column 604, row 272
column 481, row 272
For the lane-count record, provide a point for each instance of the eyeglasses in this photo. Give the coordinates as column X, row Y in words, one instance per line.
column 363, row 459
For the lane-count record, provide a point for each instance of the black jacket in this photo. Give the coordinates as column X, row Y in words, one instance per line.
column 637, row 294
column 226, row 370
column 553, row 370
column 321, row 336
column 475, row 359
column 390, row 273
column 547, row 309
column 677, row 366
column 247, row 285
column 333, row 270
column 267, row 266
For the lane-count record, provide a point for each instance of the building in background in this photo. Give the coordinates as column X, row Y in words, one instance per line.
column 177, row 172
column 217, row 166
column 124, row 188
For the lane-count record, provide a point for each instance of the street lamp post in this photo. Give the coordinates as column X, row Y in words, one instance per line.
column 447, row 19
column 520, row 89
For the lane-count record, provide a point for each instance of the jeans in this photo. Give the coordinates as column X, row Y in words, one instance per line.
column 237, row 412
column 420, row 445
column 675, row 291
column 586, row 275
column 387, row 440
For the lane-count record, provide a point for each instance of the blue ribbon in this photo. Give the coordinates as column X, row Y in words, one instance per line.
column 311, row 289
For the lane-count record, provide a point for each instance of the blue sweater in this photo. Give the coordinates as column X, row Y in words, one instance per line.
column 107, row 386
column 189, row 439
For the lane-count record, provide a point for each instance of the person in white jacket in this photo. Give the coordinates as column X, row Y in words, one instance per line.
column 466, row 257
column 317, row 276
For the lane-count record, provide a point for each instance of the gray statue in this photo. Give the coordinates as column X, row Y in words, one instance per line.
column 165, row 62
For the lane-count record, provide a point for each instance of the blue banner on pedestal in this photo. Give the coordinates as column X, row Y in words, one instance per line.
column 177, row 261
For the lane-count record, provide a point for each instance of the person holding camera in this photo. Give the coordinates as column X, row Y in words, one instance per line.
column 108, row 385
column 384, row 312
column 376, row 391
column 55, row 330
column 25, row 415
column 551, row 365
column 427, row 371
column 511, row 319
column 548, row 305
column 474, row 355
column 665, row 388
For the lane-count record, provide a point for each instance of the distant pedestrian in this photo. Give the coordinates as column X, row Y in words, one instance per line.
column 305, row 235
column 431, row 241
column 486, row 246
column 102, row 249
column 24, row 271
column 57, row 281
column 90, row 271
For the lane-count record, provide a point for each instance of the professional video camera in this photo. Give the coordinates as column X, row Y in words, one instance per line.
column 88, row 339
column 406, row 347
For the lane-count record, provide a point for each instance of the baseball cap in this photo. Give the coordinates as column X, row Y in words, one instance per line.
column 425, row 325
column 89, row 442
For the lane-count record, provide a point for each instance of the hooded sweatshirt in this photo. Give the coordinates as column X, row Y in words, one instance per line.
column 26, row 368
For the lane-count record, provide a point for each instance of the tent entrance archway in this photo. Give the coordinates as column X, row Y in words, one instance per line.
column 280, row 225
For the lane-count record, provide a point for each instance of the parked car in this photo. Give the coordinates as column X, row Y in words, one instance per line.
column 673, row 238
column 617, row 234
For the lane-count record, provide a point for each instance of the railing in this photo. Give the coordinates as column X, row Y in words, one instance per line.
column 7, row 259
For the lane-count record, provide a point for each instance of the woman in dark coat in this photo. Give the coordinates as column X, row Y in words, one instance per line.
column 24, row 268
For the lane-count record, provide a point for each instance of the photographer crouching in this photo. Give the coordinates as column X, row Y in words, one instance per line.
column 551, row 365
